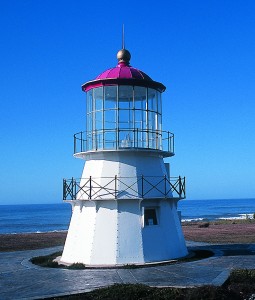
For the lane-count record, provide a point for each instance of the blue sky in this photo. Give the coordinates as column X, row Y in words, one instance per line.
column 202, row 51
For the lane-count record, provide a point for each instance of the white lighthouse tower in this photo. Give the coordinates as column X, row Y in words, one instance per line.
column 124, row 208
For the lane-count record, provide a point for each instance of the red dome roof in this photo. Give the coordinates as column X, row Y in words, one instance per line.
column 122, row 70
column 123, row 74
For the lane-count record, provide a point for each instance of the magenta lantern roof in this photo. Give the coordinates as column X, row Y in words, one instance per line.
column 123, row 74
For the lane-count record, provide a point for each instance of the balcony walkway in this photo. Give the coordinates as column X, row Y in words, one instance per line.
column 19, row 279
column 141, row 187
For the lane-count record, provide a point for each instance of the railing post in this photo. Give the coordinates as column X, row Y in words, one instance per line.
column 168, row 142
column 173, row 142
column 165, row 184
column 115, row 186
column 81, row 141
column 142, row 187
column 74, row 144
column 117, row 141
column 64, row 189
column 90, row 187
column 96, row 140
column 184, row 187
column 74, row 189
column 180, row 186
column 137, row 145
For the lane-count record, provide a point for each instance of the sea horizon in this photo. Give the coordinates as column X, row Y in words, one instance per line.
column 55, row 217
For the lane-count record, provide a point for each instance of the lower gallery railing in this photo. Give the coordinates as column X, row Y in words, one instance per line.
column 142, row 187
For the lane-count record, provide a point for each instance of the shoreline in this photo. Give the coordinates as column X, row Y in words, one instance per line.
column 218, row 232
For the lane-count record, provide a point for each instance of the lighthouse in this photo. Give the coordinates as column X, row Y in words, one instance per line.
column 124, row 206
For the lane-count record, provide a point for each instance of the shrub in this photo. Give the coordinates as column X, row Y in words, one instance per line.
column 77, row 266
column 242, row 276
column 47, row 260
column 204, row 225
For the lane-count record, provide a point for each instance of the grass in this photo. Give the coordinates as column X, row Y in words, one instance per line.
column 240, row 285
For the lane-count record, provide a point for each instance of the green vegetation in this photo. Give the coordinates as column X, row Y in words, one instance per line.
column 48, row 261
column 76, row 266
column 203, row 224
column 240, row 285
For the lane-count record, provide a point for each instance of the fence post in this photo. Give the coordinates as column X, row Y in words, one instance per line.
column 115, row 186
column 90, row 187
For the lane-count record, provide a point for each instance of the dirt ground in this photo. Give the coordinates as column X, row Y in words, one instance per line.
column 221, row 233
column 228, row 232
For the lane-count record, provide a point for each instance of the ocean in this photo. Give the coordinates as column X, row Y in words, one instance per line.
column 56, row 217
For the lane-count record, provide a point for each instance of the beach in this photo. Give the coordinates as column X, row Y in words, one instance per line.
column 224, row 232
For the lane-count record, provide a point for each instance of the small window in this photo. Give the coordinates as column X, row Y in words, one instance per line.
column 150, row 217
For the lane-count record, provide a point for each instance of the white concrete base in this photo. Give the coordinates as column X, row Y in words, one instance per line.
column 114, row 233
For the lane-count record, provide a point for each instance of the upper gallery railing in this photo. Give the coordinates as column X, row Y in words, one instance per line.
column 142, row 187
column 115, row 139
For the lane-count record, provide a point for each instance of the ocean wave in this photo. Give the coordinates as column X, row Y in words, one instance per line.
column 239, row 217
column 211, row 218
column 37, row 232
column 193, row 220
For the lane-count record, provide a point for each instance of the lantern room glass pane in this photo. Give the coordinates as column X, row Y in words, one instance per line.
column 140, row 97
column 152, row 100
column 159, row 103
column 89, row 122
column 98, row 120
column 110, row 140
column 110, row 119
column 139, row 119
column 126, row 119
column 98, row 98
column 110, row 93
column 125, row 97
column 126, row 138
column 151, row 120
column 89, row 101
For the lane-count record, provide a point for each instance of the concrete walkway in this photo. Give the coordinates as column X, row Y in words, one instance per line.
column 19, row 279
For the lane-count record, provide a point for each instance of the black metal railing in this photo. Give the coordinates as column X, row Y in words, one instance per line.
column 142, row 187
column 114, row 139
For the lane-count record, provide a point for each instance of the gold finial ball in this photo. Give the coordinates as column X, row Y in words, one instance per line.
column 123, row 56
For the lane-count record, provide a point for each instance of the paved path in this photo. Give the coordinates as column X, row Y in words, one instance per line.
column 19, row 279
